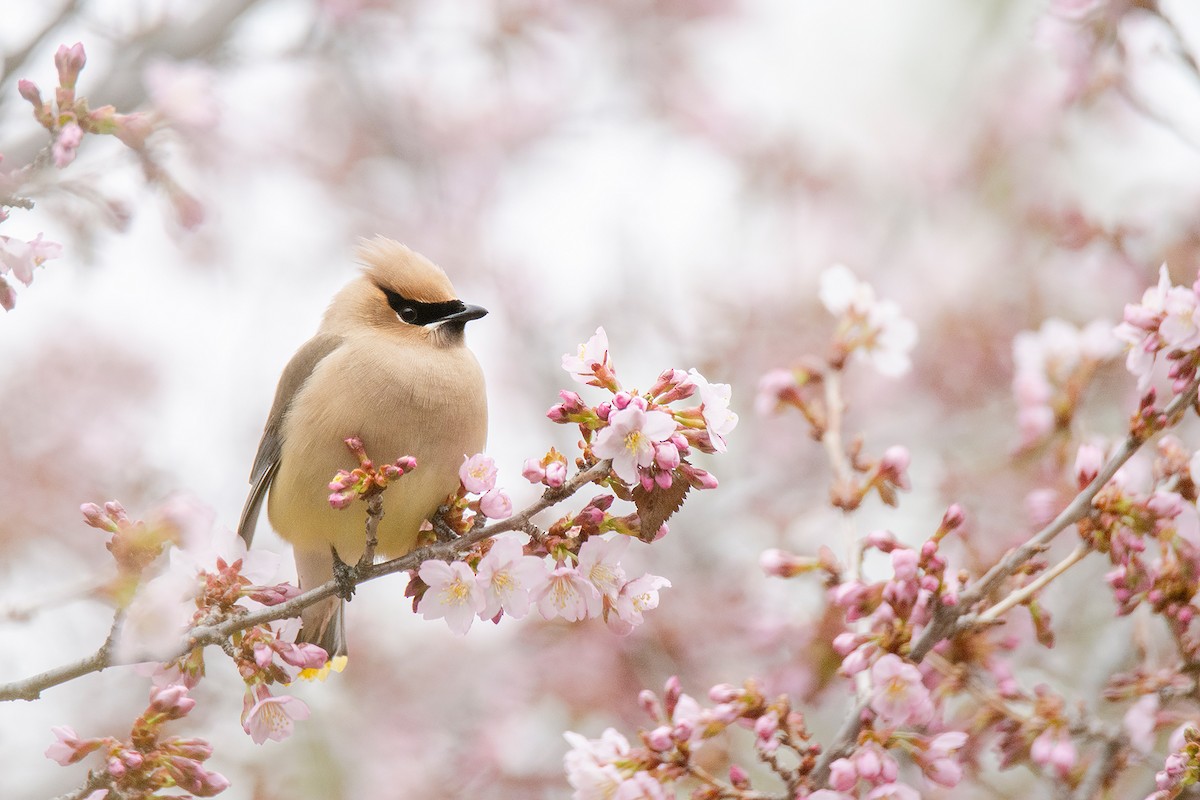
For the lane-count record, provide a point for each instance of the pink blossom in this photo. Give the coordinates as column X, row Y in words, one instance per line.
column 899, row 696
column 877, row 330
column 1088, row 461
column 495, row 504
column 1139, row 331
column 1180, row 326
column 506, row 576
column 453, row 594
column 265, row 716
column 599, row 562
column 478, row 473
column 68, row 748
column 630, row 437
column 567, row 594
column 719, row 420
column 591, row 355
column 635, row 598
column 22, row 257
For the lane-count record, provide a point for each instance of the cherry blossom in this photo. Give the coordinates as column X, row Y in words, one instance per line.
column 478, row 473
column 567, row 593
column 266, row 716
column 899, row 696
column 590, row 361
column 630, row 437
column 719, row 419
column 506, row 576
column 453, row 594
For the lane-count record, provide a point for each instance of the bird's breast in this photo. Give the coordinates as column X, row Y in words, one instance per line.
column 400, row 400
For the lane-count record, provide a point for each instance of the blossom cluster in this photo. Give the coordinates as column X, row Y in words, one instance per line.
column 148, row 761
column 1167, row 320
column 504, row 578
column 573, row 569
column 366, row 479
column 69, row 117
column 648, row 441
column 611, row 767
column 209, row 577
column 1051, row 369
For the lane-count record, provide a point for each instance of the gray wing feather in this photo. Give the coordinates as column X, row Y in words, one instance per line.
column 266, row 462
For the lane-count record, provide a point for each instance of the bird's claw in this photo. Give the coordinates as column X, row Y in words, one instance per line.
column 344, row 575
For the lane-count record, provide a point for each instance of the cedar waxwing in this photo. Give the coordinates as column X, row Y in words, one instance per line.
column 388, row 365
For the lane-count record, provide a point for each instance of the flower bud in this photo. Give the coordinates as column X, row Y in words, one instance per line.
column 69, row 61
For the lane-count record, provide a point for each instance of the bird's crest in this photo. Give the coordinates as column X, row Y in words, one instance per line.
column 406, row 272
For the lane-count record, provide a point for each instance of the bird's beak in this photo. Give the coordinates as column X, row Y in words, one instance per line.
column 466, row 315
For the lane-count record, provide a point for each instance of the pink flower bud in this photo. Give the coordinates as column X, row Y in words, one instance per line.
column 660, row 739
column 666, row 455
column 738, row 777
column 621, row 400
column 671, row 692
column 556, row 474
column 894, row 466
column 93, row 515
column 953, row 518
column 69, row 61
column 171, row 700
column 724, row 693
column 341, row 500
column 533, row 471
column 29, row 91
column 845, row 643
column 646, row 480
column 842, row 775
column 683, row 730
column 603, row 410
column 263, row 656
column 662, row 480
column 116, row 767
column 650, row 704
column 495, row 504
column 904, row 564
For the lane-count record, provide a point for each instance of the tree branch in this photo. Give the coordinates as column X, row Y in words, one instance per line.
column 203, row 635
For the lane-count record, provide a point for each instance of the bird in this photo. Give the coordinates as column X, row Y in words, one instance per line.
column 389, row 365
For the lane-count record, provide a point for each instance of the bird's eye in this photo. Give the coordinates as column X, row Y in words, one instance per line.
column 408, row 314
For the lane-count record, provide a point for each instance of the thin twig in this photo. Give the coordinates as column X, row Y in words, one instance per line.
column 1034, row 586
column 200, row 636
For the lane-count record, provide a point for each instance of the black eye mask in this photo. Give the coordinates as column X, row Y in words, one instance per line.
column 416, row 313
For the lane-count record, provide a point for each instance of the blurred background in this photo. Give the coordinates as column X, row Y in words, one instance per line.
column 678, row 171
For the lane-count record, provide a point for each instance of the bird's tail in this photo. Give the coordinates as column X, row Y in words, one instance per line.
column 324, row 625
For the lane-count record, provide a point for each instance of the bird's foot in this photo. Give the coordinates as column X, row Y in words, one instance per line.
column 441, row 529
column 345, row 575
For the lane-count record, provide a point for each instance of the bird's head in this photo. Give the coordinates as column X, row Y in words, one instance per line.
column 401, row 291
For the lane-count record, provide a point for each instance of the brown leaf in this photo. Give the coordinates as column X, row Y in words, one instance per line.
column 654, row 508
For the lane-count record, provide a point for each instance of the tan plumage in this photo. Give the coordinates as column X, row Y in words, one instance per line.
column 403, row 387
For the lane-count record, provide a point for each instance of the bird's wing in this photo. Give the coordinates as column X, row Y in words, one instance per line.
column 266, row 462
